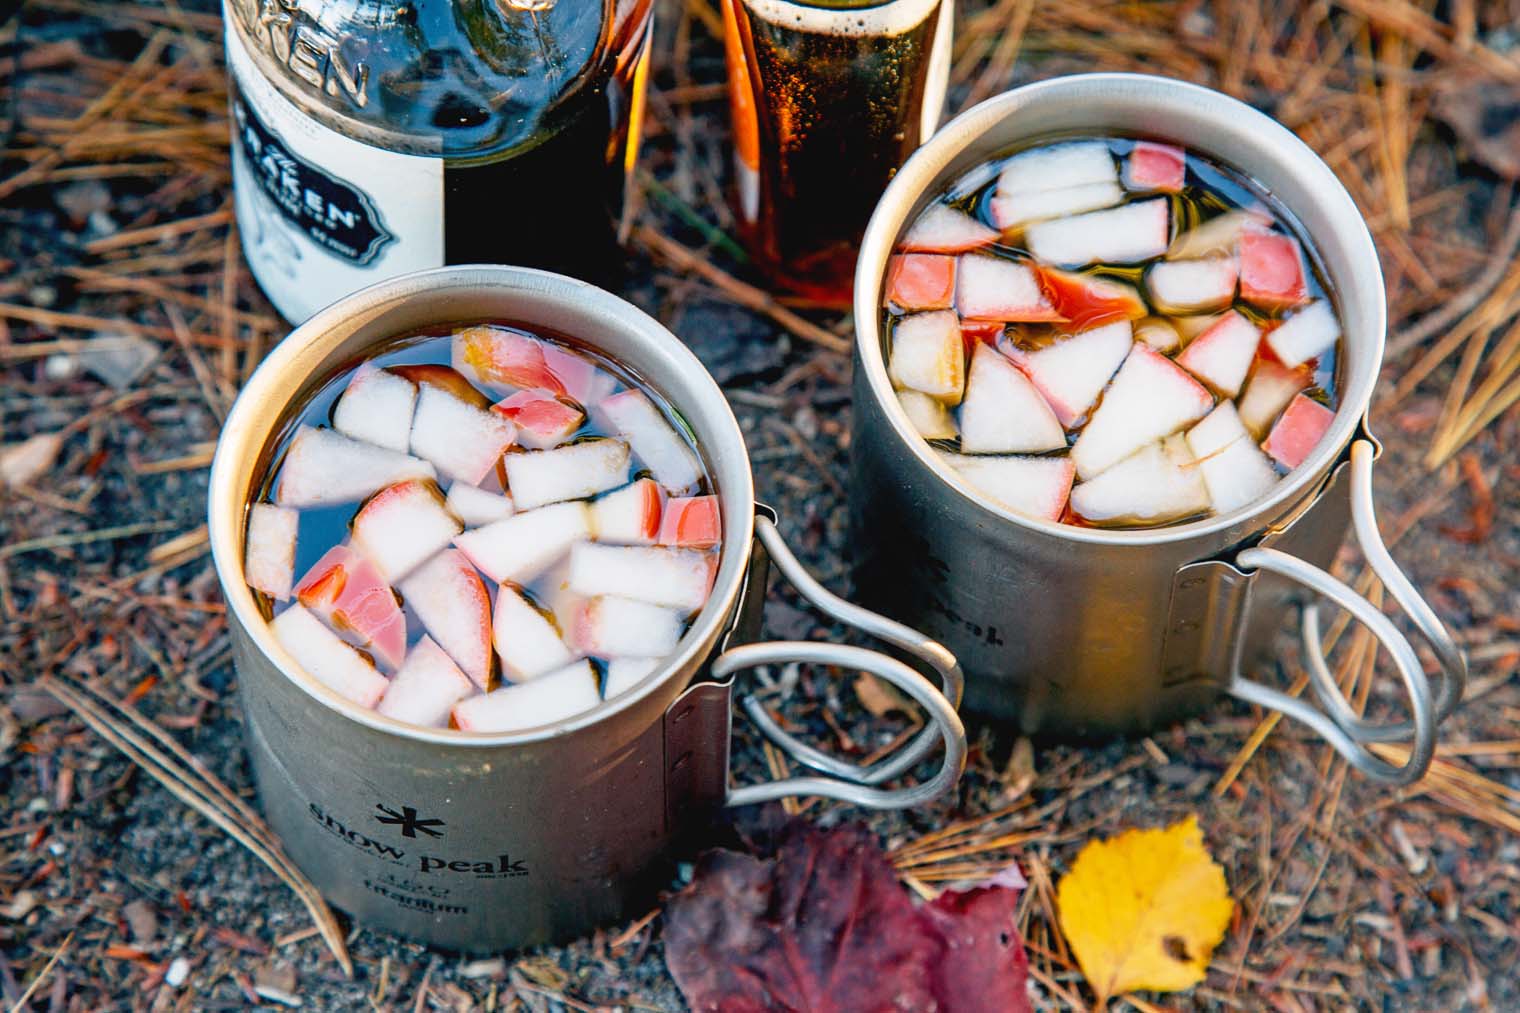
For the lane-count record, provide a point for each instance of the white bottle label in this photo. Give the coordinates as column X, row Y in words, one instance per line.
column 322, row 215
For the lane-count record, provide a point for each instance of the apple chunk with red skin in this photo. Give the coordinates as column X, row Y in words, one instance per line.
column 921, row 281
column 426, row 688
column 1298, row 432
column 630, row 515
column 503, row 357
column 691, row 522
column 347, row 590
column 1071, row 372
column 326, row 658
column 450, row 599
column 1148, row 399
column 942, row 229
column 402, row 525
column 542, row 420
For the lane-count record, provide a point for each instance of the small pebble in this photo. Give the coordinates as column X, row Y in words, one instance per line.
column 494, row 967
column 21, row 905
column 22, row 463
column 142, row 920
column 60, row 366
column 179, row 970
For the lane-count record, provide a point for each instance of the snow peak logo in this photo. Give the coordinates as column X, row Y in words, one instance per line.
column 502, row 866
column 408, row 820
column 333, row 214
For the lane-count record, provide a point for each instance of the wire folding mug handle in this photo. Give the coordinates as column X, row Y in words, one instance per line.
column 1345, row 730
column 847, row 781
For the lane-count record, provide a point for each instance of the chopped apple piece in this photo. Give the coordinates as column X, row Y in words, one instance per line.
column 691, row 523
column 520, row 547
column 447, row 595
column 1222, row 355
column 269, row 560
column 503, row 357
column 402, row 525
column 625, row 673
column 1087, row 300
column 1271, row 270
column 992, row 288
column 1268, row 390
column 426, row 688
column 927, row 355
column 348, row 591
column 1306, row 335
column 1156, row 484
column 1158, row 332
column 582, row 380
column 1073, row 371
column 376, row 407
column 630, row 515
column 1015, row 210
column 930, row 417
column 1192, row 286
column 463, row 441
column 539, row 477
column 542, row 420
column 942, row 229
column 610, row 627
column 547, row 699
column 1148, row 399
column 1152, row 166
column 985, row 332
column 476, row 506
column 327, row 659
column 323, row 468
column 1122, row 235
column 1219, row 235
column 1003, row 412
column 1032, row 486
column 1057, row 166
column 678, row 578
column 446, row 379
column 921, row 281
column 1234, row 468
column 526, row 639
column 661, row 449
column 1298, row 432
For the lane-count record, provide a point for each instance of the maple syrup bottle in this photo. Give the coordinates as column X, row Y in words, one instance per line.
column 375, row 137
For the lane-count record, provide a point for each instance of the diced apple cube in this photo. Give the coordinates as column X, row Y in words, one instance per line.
column 611, row 627
column 1003, row 412
column 503, row 357
column 1219, row 235
column 1271, row 270
column 930, row 417
column 921, row 281
column 527, row 641
column 1087, row 300
column 654, row 441
column 545, row 700
column 349, row 592
column 1306, row 335
column 269, row 559
column 1298, row 432
column 1122, row 235
column 1057, row 166
column 426, row 688
column 1267, row 392
column 630, row 515
column 402, row 525
column 583, row 380
column 327, row 659
column 942, row 229
column 447, row 595
column 445, row 379
column 463, row 441
column 542, row 420
column 1031, row 486
column 677, row 578
column 376, row 407
column 1013, row 211
column 520, row 547
column 1158, row 332
column 927, row 355
column 1071, row 372
column 539, row 477
column 323, row 468
column 1152, row 166
column 992, row 288
column 1192, row 286
column 1156, row 484
column 691, row 523
column 1222, row 355
column 1234, row 468
column 476, row 506
column 1148, row 399
column 625, row 673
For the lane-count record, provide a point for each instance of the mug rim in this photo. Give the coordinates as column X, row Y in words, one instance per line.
column 250, row 425
column 918, row 181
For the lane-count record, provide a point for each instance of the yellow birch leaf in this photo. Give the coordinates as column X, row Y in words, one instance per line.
column 1144, row 910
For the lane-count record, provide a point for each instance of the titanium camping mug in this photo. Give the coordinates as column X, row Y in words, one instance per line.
column 1086, row 631
column 479, row 842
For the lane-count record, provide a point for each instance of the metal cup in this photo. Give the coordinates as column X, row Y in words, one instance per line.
column 485, row 841
column 1084, row 631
